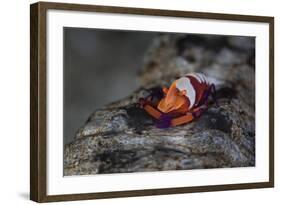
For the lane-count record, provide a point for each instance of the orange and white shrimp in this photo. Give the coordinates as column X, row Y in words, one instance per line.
column 185, row 100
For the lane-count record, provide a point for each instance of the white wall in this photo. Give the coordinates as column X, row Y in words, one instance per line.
column 14, row 103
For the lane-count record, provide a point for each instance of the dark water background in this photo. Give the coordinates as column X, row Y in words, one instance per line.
column 100, row 66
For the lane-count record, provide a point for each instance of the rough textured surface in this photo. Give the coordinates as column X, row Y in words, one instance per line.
column 122, row 138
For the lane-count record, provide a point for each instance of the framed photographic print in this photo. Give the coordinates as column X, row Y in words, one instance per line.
column 134, row 102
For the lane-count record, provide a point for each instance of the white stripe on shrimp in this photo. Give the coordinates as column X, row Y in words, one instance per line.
column 206, row 79
column 184, row 84
column 195, row 75
column 200, row 77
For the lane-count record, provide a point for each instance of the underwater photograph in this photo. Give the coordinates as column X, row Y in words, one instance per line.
column 139, row 101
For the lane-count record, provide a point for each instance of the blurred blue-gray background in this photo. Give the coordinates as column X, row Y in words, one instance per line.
column 100, row 66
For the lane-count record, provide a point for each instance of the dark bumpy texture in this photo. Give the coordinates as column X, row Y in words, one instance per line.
column 122, row 138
